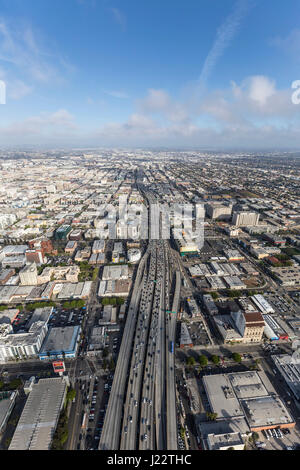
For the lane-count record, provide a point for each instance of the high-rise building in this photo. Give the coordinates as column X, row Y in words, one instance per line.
column 216, row 210
column 244, row 219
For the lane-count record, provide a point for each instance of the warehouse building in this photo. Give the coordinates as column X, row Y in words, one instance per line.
column 118, row 288
column 249, row 395
column 289, row 369
column 60, row 342
column 115, row 272
column 40, row 416
column 273, row 330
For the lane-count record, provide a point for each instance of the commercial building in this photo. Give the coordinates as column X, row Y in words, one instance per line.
column 223, row 434
column 193, row 307
column 6, row 275
column 289, row 368
column 71, row 246
column 35, row 256
column 98, row 246
column 226, row 441
column 115, row 272
column 185, row 337
column 68, row 290
column 29, row 275
column 75, row 235
column 119, row 288
column 62, row 232
column 273, row 331
column 250, row 325
column 210, row 305
column 40, row 416
column 133, row 255
column 28, row 344
column 109, row 315
column 249, row 395
column 227, row 329
column 97, row 340
column 43, row 243
column 60, row 342
column 234, row 255
column 262, row 304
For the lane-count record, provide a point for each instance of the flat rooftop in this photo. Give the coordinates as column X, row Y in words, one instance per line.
column 266, row 411
column 221, row 396
column 60, row 339
column 40, row 415
column 246, row 394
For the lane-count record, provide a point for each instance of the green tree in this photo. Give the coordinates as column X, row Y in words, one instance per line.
column 215, row 359
column 190, row 361
column 214, row 295
column 237, row 357
column 71, row 394
column 203, row 361
column 211, row 416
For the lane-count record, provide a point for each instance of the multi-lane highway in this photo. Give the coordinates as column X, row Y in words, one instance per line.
column 141, row 412
column 110, row 438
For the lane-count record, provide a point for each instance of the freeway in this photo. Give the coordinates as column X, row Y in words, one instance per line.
column 143, row 391
column 110, row 438
column 170, row 358
column 136, row 373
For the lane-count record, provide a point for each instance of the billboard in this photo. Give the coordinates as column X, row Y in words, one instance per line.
column 58, row 366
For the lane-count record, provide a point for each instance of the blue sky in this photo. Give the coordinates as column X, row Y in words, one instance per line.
column 198, row 73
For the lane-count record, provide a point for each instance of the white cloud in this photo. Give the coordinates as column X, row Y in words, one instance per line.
column 24, row 59
column 117, row 94
column 17, row 89
column 119, row 17
column 252, row 113
column 261, row 89
column 159, row 101
column 36, row 128
column 224, row 37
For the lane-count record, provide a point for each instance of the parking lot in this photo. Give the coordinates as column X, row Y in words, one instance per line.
column 59, row 318
column 279, row 439
column 62, row 317
column 279, row 304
